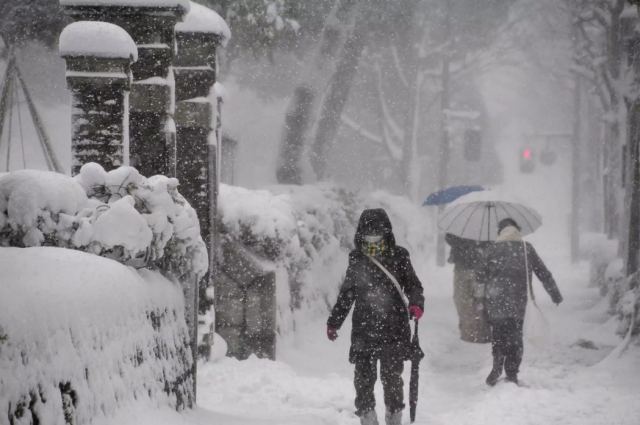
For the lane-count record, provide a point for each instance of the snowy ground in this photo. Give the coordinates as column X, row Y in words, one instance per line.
column 312, row 381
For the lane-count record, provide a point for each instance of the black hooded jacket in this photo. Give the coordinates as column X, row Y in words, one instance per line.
column 380, row 320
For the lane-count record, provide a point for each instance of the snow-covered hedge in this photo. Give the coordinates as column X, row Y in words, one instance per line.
column 607, row 273
column 623, row 293
column 120, row 214
column 123, row 331
column 307, row 231
column 83, row 336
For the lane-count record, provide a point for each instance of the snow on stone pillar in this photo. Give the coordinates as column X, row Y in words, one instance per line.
column 98, row 57
column 197, row 37
column 151, row 25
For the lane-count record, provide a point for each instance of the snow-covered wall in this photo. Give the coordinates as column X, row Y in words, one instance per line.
column 307, row 232
column 82, row 336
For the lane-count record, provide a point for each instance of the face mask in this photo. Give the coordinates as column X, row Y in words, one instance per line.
column 373, row 245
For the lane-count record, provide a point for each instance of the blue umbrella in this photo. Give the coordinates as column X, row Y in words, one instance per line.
column 450, row 194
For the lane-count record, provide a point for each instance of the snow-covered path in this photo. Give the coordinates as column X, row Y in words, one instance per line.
column 565, row 383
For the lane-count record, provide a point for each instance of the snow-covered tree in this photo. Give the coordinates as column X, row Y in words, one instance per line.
column 22, row 20
column 420, row 65
column 261, row 26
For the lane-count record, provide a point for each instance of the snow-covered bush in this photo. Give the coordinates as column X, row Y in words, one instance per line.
column 140, row 350
column 307, row 231
column 83, row 336
column 608, row 274
column 614, row 280
column 601, row 252
column 627, row 305
column 119, row 214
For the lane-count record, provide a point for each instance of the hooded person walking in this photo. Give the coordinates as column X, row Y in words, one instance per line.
column 507, row 273
column 380, row 331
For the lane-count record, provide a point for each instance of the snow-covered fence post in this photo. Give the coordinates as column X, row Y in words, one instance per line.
column 197, row 39
column 151, row 25
column 99, row 57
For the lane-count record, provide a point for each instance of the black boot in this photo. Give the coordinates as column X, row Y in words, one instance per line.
column 512, row 378
column 498, row 362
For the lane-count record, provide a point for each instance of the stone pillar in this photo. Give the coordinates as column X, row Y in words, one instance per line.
column 151, row 25
column 98, row 57
column 197, row 39
column 246, row 303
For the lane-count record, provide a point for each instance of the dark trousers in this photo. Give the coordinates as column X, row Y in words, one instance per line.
column 366, row 371
column 506, row 345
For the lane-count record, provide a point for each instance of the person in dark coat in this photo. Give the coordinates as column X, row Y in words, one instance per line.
column 467, row 257
column 380, row 329
column 506, row 296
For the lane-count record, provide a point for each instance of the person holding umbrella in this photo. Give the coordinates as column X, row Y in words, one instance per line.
column 509, row 264
column 382, row 286
column 467, row 256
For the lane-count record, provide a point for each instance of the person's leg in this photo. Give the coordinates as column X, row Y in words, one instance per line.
column 513, row 349
column 498, row 343
column 364, row 380
column 391, row 368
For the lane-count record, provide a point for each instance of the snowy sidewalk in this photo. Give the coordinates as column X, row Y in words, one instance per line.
column 312, row 381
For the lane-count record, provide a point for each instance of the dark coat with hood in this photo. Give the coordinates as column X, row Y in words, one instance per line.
column 505, row 276
column 380, row 319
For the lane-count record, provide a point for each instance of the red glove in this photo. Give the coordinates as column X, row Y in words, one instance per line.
column 415, row 311
column 332, row 333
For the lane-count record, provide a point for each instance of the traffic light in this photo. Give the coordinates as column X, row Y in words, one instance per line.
column 527, row 164
column 472, row 145
column 548, row 156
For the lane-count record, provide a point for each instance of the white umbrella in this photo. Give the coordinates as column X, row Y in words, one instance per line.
column 476, row 216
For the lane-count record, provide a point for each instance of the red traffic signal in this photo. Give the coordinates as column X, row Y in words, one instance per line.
column 527, row 164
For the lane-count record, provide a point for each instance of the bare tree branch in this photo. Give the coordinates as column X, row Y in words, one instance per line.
column 360, row 130
column 393, row 125
column 396, row 63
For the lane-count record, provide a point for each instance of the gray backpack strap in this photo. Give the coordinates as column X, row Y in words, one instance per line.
column 395, row 282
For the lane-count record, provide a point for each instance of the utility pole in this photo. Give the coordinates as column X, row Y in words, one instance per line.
column 633, row 155
column 444, row 141
column 576, row 137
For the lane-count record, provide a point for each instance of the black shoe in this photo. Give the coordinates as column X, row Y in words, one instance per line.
column 492, row 379
column 512, row 378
